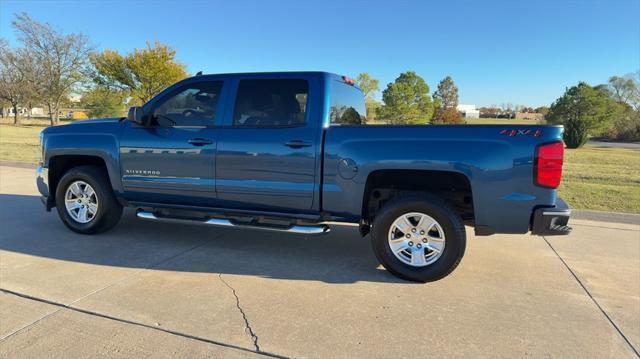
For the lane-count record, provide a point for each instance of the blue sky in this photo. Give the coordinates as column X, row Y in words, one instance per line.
column 519, row 52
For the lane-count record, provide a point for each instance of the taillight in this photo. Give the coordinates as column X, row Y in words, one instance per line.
column 548, row 164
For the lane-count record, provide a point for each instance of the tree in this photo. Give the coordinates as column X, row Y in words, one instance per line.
column 489, row 112
column 367, row 84
column 372, row 107
column 102, row 102
column 407, row 100
column 582, row 110
column 544, row 110
column 448, row 116
column 626, row 125
column 369, row 87
column 507, row 110
column 17, row 70
column 141, row 74
column 60, row 59
column 447, row 93
column 625, row 89
column 446, row 102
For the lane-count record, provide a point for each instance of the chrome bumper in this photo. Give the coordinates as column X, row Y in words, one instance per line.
column 42, row 181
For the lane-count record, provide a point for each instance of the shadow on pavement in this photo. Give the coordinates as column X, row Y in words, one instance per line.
column 339, row 257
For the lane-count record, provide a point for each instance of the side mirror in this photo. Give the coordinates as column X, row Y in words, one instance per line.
column 135, row 115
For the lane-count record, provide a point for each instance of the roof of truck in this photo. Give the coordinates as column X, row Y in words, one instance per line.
column 288, row 73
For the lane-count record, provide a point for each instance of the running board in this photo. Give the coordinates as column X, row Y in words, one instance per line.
column 221, row 222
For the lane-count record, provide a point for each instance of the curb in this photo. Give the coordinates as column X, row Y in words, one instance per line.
column 18, row 164
column 600, row 216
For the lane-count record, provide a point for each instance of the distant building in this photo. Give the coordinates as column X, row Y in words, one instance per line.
column 74, row 98
column 468, row 111
column 73, row 112
column 23, row 112
column 39, row 112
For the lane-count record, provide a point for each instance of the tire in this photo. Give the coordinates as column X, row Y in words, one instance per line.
column 448, row 234
column 102, row 200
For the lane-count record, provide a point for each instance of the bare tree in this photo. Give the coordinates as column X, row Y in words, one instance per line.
column 507, row 108
column 625, row 89
column 61, row 60
column 17, row 70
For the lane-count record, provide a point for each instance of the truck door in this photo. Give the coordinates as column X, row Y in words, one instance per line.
column 172, row 158
column 266, row 156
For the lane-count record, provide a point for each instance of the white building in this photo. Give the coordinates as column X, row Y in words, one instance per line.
column 23, row 112
column 468, row 111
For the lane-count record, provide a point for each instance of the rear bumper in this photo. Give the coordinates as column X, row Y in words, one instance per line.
column 551, row 221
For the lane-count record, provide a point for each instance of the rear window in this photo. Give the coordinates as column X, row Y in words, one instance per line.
column 271, row 103
column 347, row 105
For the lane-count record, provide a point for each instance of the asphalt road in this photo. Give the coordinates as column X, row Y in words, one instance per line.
column 161, row 290
column 630, row 145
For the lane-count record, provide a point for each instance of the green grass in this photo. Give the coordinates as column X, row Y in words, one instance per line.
column 19, row 143
column 606, row 179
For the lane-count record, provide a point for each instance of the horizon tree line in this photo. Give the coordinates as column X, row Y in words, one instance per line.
column 50, row 65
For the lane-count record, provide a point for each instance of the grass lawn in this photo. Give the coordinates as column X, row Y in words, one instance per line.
column 19, row 143
column 606, row 179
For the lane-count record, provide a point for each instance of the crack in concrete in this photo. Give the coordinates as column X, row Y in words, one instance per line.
column 69, row 306
column 98, row 290
column 62, row 306
column 584, row 287
column 247, row 326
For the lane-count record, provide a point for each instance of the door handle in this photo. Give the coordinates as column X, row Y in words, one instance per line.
column 297, row 144
column 200, row 141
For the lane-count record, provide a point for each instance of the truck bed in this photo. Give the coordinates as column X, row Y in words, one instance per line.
column 497, row 160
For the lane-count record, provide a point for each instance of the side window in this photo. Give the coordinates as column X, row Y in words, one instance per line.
column 192, row 105
column 347, row 105
column 271, row 103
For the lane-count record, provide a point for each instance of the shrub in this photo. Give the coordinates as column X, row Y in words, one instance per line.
column 575, row 134
column 627, row 127
column 584, row 111
column 447, row 116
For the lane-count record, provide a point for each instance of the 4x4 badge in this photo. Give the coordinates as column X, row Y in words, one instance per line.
column 529, row 132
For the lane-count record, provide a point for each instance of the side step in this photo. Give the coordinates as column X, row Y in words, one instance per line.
column 222, row 222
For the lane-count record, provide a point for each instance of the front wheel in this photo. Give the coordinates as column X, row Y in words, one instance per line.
column 418, row 238
column 85, row 201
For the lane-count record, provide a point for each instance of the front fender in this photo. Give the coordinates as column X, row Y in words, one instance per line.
column 101, row 145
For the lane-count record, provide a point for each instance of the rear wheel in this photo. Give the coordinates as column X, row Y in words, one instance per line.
column 419, row 238
column 85, row 202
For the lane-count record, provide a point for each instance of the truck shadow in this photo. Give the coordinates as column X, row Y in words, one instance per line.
column 339, row 257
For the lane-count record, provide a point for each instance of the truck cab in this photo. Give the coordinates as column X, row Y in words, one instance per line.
column 248, row 142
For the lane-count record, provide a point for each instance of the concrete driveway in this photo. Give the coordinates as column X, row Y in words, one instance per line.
column 161, row 290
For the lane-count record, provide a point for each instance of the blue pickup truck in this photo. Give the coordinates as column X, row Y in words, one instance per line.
column 292, row 152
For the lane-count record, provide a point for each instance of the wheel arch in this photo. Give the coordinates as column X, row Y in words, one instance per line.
column 386, row 184
column 59, row 164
